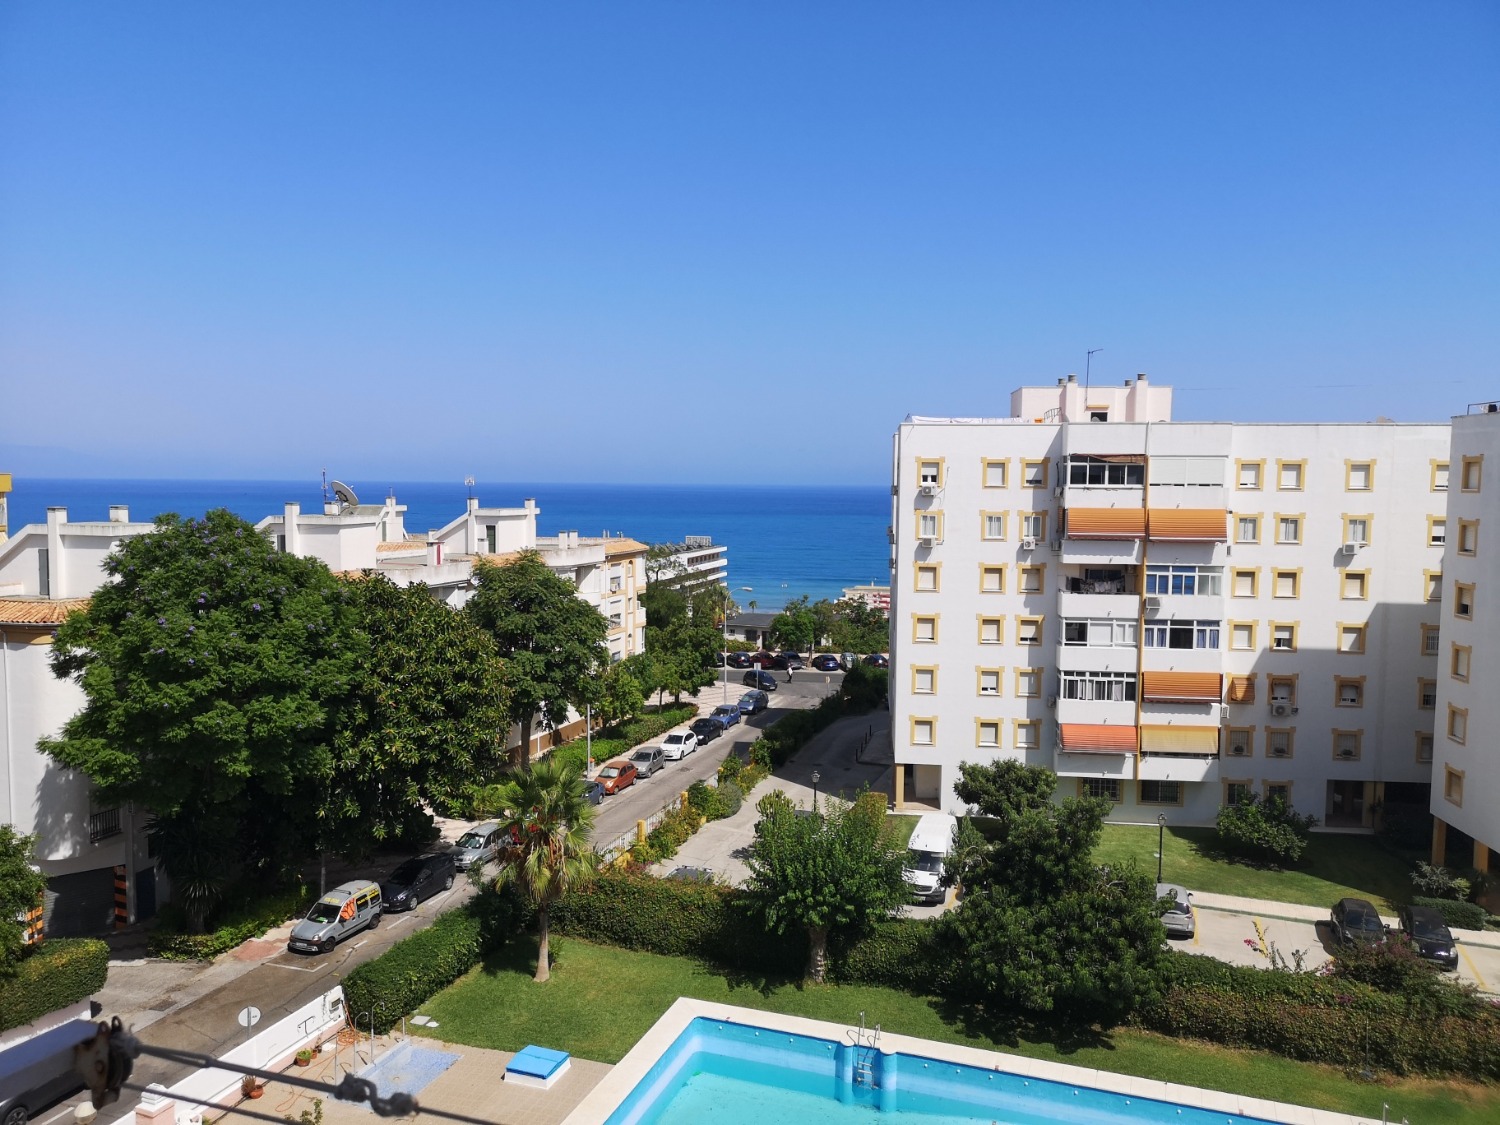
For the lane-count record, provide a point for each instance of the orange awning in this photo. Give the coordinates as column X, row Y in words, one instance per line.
column 1106, row 523
column 1098, row 738
column 1180, row 740
column 1241, row 689
column 1183, row 687
column 1190, row 524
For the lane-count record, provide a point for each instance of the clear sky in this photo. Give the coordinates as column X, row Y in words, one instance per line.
column 699, row 242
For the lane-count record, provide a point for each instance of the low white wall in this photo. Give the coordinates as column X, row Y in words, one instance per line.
column 79, row 1011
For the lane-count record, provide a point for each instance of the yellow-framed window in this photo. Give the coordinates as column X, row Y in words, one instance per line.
column 1359, row 476
column 1349, row 691
column 1460, row 662
column 989, row 681
column 1471, row 474
column 995, row 472
column 1463, row 600
column 927, row 578
column 1291, row 476
column 924, row 628
column 1354, row 585
column 992, row 578
column 1286, row 582
column 1034, row 472
column 1249, row 476
column 1244, row 582
column 1353, row 638
column 924, row 679
column 991, row 629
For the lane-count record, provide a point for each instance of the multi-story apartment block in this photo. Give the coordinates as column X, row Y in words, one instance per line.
column 697, row 563
column 1465, row 769
column 1167, row 614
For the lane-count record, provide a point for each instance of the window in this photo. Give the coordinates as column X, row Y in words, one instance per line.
column 1242, row 635
column 1458, row 724
column 1033, row 474
column 1236, row 792
column 1283, row 689
column 1439, row 481
column 1359, row 476
column 1286, row 583
column 1453, row 785
column 1099, row 687
column 930, row 472
column 1029, row 683
column 1034, row 525
column 996, row 472
column 1241, row 689
column 1159, row 792
column 1289, row 475
column 1357, row 529
column 616, row 620
column 616, row 584
column 1100, row 788
column 1101, row 472
column 1247, row 529
column 923, row 732
column 989, row 681
column 930, row 525
column 1432, row 585
column 1100, row 632
column 991, row 630
column 1278, row 743
column 924, row 681
column 1245, row 583
column 1192, row 472
column 987, row 732
column 1427, row 695
column 1429, row 634
column 992, row 525
column 1355, row 586
column 926, row 576
column 1348, row 692
column 1284, row 636
column 1289, row 529
column 1352, row 638
column 1032, row 579
column 1182, row 634
column 1437, row 531
column 924, row 628
column 1028, row 630
column 1424, row 746
column 1463, row 600
column 992, row 579
column 1471, row 473
column 1028, row 734
column 1239, row 741
column 1279, row 791
column 1099, row 414
column 1248, row 475
column 1468, row 537
column 1184, row 580
column 1458, row 662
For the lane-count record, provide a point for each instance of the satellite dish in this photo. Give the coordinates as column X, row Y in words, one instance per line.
column 344, row 494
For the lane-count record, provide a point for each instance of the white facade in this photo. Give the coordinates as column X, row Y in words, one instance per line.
column 700, row 562
column 1163, row 611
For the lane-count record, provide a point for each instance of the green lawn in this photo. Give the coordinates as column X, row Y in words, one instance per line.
column 601, row 1000
column 1334, row 867
column 901, row 827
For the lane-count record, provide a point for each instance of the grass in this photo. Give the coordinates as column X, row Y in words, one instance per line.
column 601, row 1000
column 901, row 827
column 1334, row 866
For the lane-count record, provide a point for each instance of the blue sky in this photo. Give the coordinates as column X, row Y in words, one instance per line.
column 704, row 242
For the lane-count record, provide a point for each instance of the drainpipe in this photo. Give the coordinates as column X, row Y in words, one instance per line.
column 10, row 779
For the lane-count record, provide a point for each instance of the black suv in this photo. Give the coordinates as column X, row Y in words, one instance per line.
column 416, row 879
column 1356, row 921
column 1429, row 933
column 759, row 679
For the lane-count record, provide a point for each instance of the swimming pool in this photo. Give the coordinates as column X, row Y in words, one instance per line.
column 736, row 1066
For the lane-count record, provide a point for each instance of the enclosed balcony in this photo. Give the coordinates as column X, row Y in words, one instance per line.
column 1095, row 750
column 1104, row 479
column 1179, row 752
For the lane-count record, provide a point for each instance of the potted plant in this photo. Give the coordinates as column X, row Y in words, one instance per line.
column 250, row 1087
column 305, row 1057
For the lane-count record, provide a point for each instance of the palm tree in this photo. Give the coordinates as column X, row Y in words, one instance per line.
column 549, row 818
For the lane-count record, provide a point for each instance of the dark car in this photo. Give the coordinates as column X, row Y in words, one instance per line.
column 416, row 879
column 1356, row 921
column 877, row 660
column 761, row 680
column 754, row 702
column 593, row 792
column 1429, row 934
column 827, row 662
column 738, row 660
column 791, row 660
column 707, row 729
column 727, row 713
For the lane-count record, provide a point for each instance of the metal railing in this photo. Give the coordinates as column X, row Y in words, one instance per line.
column 103, row 825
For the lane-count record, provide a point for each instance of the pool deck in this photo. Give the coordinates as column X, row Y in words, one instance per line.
column 611, row 1089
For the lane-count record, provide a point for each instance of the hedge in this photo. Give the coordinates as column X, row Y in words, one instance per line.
column 59, row 972
column 1464, row 915
column 169, row 942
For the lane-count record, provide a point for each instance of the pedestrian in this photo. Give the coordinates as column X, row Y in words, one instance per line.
column 789, row 674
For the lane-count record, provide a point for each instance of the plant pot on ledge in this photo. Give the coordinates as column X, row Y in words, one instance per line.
column 250, row 1087
column 304, row 1057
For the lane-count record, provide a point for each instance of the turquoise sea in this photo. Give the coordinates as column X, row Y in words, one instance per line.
column 784, row 541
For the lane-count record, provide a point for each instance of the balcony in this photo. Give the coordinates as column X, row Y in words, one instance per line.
column 1096, row 712
column 103, row 825
column 1082, row 605
column 1177, row 767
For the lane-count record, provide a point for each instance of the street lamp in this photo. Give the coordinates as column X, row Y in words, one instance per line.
column 1161, row 836
column 725, row 654
column 816, row 777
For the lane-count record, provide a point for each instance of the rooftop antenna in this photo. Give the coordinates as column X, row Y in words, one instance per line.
column 1088, row 363
column 469, row 484
column 325, row 486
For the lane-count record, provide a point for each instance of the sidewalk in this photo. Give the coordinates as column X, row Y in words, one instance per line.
column 1294, row 912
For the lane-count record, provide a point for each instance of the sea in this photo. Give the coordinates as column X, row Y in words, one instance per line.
column 784, row 540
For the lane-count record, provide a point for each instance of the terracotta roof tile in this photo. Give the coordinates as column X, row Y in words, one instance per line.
column 38, row 611
column 614, row 547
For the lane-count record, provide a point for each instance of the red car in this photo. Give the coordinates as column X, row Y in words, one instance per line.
column 617, row 775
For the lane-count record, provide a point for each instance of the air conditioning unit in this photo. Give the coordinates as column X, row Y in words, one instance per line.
column 1057, row 492
column 1237, row 751
column 1349, row 550
column 1281, row 709
column 1052, row 701
column 1153, row 605
column 1028, row 543
column 1056, row 546
column 929, row 490
column 926, row 541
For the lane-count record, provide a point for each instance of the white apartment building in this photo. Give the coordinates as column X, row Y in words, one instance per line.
column 1167, row 614
column 1465, row 770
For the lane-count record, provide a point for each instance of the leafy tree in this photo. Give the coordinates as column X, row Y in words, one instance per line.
column 21, row 885
column 620, row 694
column 550, row 818
column 865, row 687
column 211, row 667
column 796, row 626
column 551, row 641
column 1438, row 882
column 662, row 564
column 858, row 627
column 1041, row 927
column 829, row 870
column 1264, row 830
column 425, row 718
column 663, row 604
column 685, row 655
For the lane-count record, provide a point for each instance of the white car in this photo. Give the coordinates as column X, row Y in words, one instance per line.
column 678, row 745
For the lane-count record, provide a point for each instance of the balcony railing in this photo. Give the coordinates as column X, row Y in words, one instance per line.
column 103, row 825
column 1096, row 586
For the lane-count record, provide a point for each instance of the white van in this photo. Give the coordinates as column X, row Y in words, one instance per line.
column 931, row 842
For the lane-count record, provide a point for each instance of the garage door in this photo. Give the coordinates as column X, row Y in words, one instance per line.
column 80, row 905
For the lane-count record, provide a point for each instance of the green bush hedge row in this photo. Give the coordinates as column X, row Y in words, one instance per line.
column 1464, row 915
column 250, row 920
column 59, row 972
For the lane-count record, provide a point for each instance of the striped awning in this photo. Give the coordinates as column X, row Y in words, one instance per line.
column 1180, row 740
column 1241, row 689
column 1097, row 738
column 1106, row 523
column 1183, row 687
column 1197, row 525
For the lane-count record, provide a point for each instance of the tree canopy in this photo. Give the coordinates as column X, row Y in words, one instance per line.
column 21, row 887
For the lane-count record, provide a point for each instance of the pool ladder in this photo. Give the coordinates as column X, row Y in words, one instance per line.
column 866, row 1042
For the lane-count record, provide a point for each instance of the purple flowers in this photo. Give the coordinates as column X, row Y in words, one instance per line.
column 256, row 607
column 161, row 620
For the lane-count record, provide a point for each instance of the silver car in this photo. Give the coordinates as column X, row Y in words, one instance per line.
column 347, row 909
column 647, row 761
column 479, row 844
column 1178, row 917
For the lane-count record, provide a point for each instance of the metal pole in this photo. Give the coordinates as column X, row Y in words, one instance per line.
column 1161, row 836
column 588, row 735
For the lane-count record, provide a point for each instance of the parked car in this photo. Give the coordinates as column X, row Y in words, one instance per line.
column 827, row 662
column 692, row 874
column 764, row 659
column 420, row 877
column 738, row 660
column 877, row 660
column 647, row 760
column 848, row 660
column 760, row 680
column 678, row 745
column 345, row 910
column 479, row 844
column 927, row 850
column 1178, row 916
column 791, row 660
column 593, row 792
column 707, row 728
column 728, row 713
column 617, row 775
column 36, row 1072
column 754, row 702
column 1356, row 921
column 1429, row 933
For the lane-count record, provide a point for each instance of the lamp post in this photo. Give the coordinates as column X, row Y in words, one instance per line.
column 816, row 777
column 747, row 590
column 1161, row 836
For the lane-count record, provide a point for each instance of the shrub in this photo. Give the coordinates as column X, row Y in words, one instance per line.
column 59, row 972
column 676, row 829
column 1438, row 882
column 1395, row 966
column 760, row 756
column 1264, row 829
column 228, row 929
column 700, row 798
column 864, row 688
column 1464, row 915
column 902, row 953
column 730, row 768
column 729, row 798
